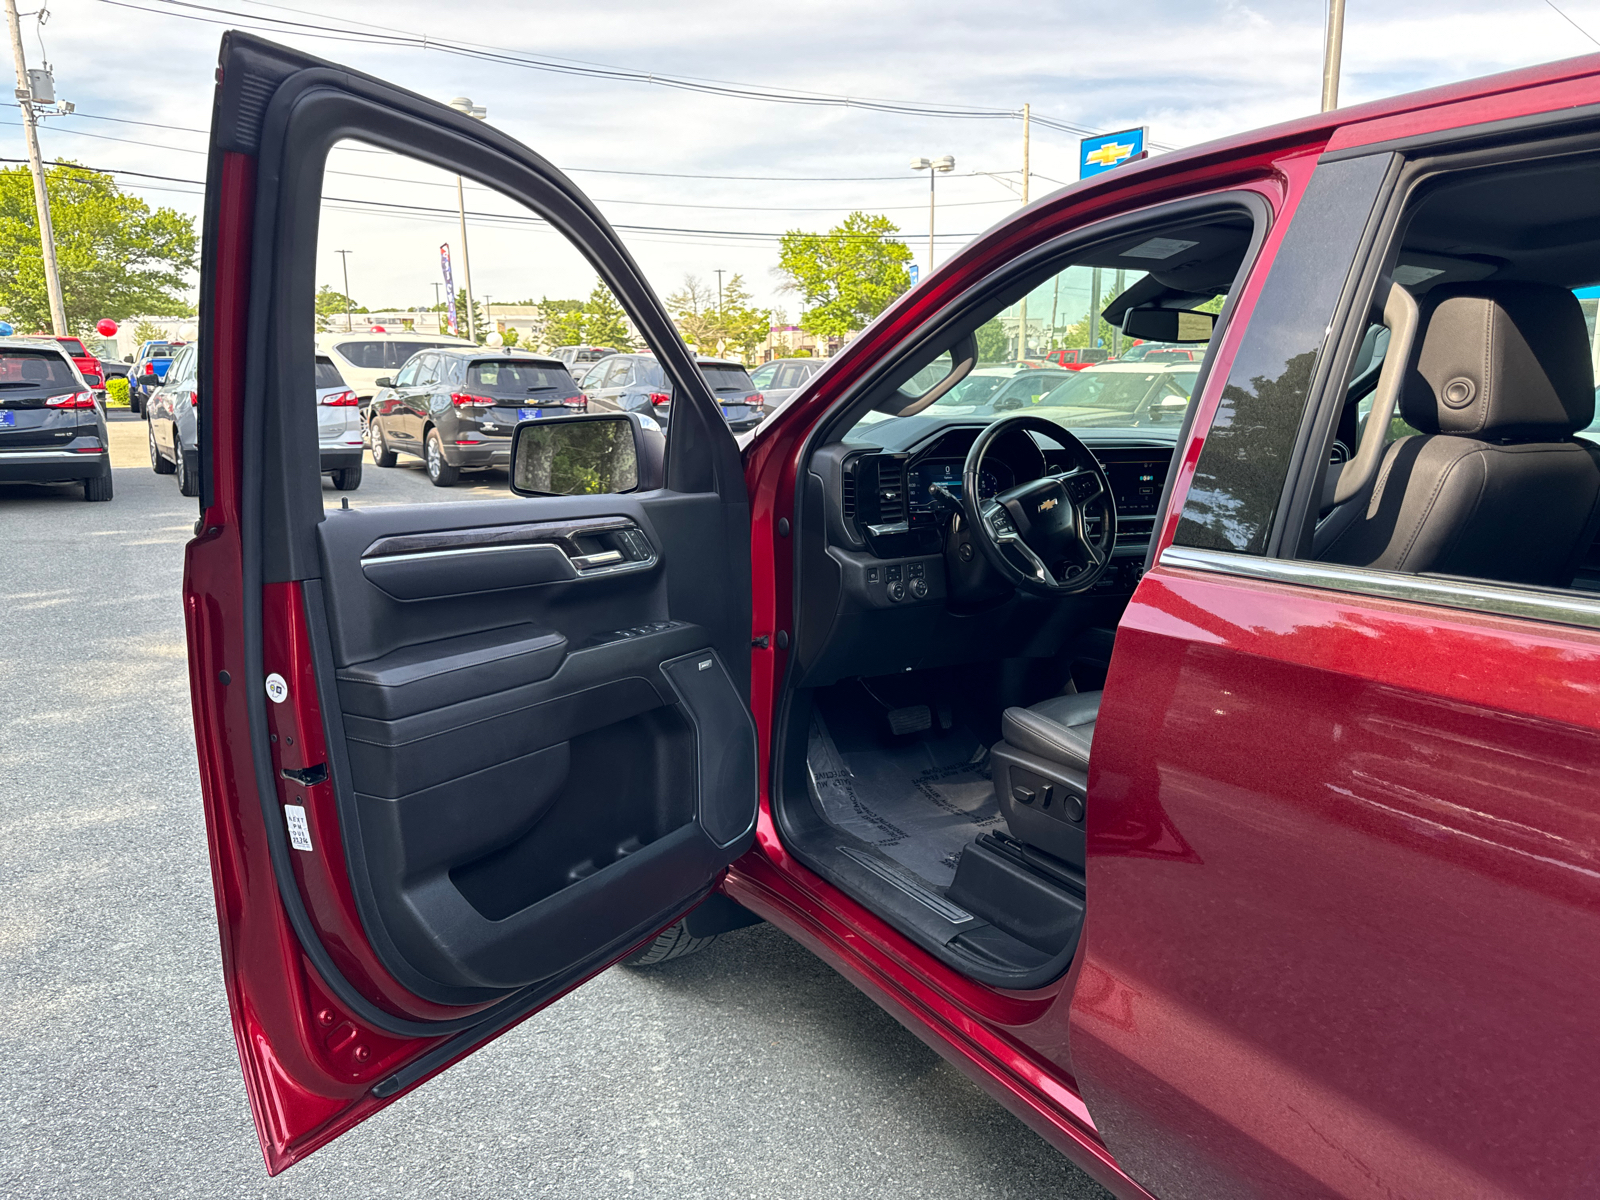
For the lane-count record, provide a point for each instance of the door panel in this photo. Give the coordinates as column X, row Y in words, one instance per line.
column 457, row 757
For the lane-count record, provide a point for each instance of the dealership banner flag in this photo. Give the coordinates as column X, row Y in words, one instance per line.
column 449, row 285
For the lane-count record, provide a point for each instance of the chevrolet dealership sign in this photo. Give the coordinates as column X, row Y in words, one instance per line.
column 1098, row 154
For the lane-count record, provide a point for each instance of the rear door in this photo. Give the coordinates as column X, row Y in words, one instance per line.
column 457, row 756
column 1343, row 838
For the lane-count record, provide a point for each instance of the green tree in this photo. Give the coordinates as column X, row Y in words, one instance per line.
column 993, row 344
column 744, row 327
column 846, row 276
column 560, row 323
column 115, row 255
column 510, row 336
column 604, row 321
column 332, row 307
column 734, row 326
column 148, row 331
column 693, row 310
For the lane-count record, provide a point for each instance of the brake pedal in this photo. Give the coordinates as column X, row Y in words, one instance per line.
column 911, row 719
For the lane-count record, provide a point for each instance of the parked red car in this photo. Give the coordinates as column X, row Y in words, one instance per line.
column 1298, row 707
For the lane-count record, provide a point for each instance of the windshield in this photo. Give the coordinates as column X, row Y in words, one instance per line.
column 516, row 380
column 27, row 370
column 727, row 378
column 1023, row 350
column 327, row 374
column 377, row 355
column 1119, row 391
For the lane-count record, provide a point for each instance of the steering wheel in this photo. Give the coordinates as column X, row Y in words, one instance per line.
column 1043, row 522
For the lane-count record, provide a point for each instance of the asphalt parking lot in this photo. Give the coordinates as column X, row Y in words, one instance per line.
column 749, row 1070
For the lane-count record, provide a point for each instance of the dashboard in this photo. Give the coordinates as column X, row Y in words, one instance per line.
column 892, row 582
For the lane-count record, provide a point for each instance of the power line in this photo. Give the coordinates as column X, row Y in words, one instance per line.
column 104, row 137
column 430, row 211
column 567, row 170
column 356, row 31
column 1571, row 22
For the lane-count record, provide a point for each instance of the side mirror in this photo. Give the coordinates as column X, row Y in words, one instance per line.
column 592, row 454
column 1168, row 325
column 127, row 358
column 384, row 381
column 1169, row 408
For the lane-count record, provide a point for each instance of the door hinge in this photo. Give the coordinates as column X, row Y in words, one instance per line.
column 762, row 642
column 309, row 777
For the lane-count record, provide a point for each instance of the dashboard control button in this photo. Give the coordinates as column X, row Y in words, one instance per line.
column 891, row 574
column 897, row 591
column 919, row 588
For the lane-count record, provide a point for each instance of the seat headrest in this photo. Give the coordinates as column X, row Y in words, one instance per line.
column 1501, row 361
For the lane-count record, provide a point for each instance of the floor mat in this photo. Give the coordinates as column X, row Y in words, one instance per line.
column 919, row 802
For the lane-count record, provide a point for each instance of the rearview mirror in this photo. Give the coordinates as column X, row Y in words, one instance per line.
column 590, row 455
column 1168, row 325
column 386, row 381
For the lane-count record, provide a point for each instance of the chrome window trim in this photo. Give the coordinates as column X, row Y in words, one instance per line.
column 1554, row 605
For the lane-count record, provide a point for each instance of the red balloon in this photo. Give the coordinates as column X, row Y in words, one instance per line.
column 379, row 329
column 106, row 327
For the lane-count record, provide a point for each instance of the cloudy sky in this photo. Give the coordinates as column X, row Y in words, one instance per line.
column 668, row 160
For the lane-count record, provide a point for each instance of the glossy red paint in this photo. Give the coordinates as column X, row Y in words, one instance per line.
column 1014, row 1045
column 1400, row 895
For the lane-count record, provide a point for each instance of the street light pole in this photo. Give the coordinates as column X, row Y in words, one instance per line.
column 1332, row 49
column 344, row 259
column 41, row 194
column 1022, row 307
column 463, row 105
column 932, row 167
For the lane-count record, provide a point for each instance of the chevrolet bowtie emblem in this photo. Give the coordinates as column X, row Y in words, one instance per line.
column 1047, row 505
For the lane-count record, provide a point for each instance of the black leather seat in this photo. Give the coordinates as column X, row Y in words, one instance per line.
column 1058, row 730
column 1495, row 487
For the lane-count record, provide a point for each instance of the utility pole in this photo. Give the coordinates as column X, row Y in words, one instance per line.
column 1022, row 308
column 1332, row 49
column 438, row 307
column 41, row 194
column 344, row 258
column 462, row 105
column 718, row 274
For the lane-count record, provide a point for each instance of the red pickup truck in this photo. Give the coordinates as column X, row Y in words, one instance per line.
column 1078, row 358
column 88, row 365
column 1221, row 794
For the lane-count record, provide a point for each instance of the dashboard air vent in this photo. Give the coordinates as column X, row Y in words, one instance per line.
column 847, row 491
column 891, row 494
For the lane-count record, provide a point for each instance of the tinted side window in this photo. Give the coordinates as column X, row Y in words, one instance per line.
column 366, row 355
column 1239, row 479
column 425, row 369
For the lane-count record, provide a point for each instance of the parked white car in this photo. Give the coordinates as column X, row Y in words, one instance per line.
column 362, row 358
column 338, row 426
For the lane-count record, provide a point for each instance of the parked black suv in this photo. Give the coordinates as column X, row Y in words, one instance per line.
column 52, row 425
column 635, row 383
column 456, row 409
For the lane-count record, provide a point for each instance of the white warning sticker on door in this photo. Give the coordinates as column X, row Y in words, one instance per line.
column 299, row 831
column 277, row 688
